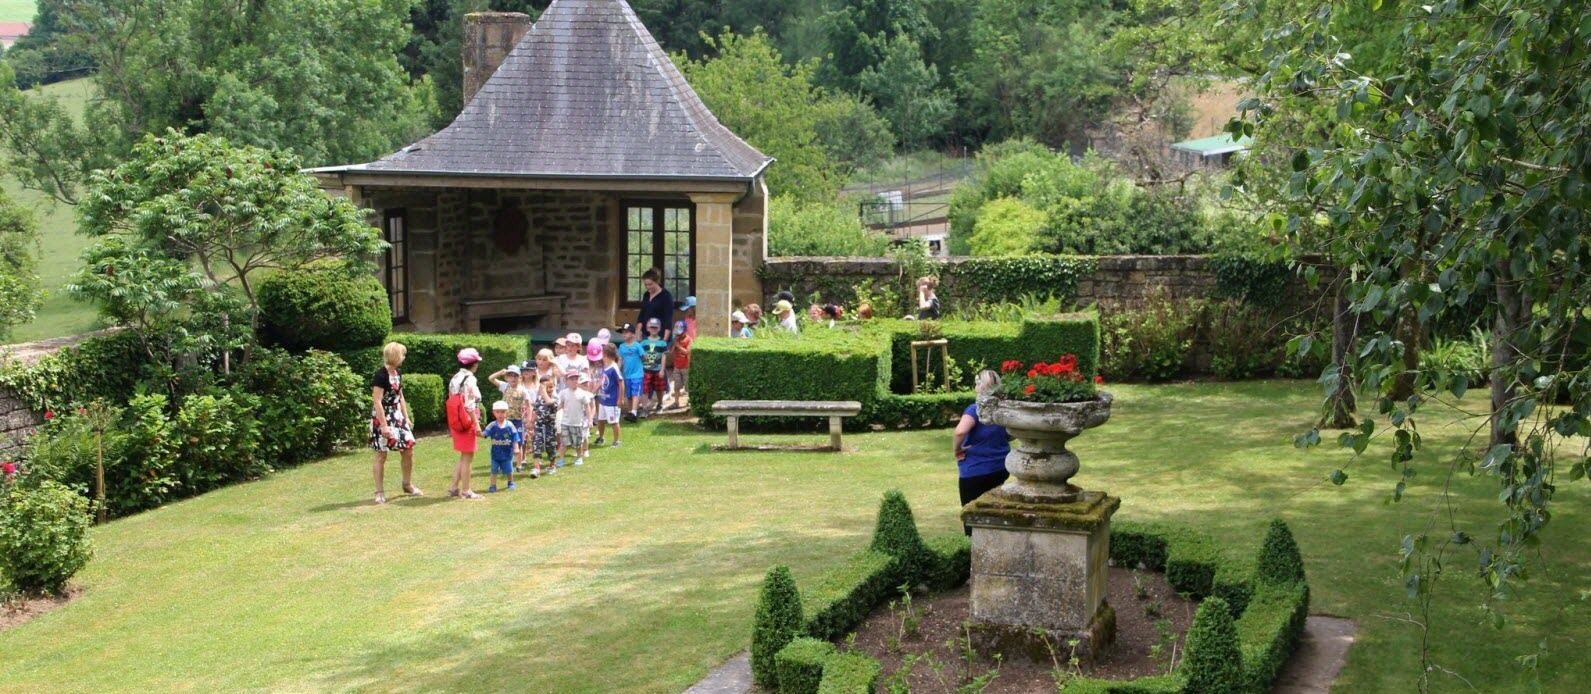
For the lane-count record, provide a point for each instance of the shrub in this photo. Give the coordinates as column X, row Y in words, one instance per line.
column 895, row 534
column 800, row 665
column 323, row 307
column 1214, row 664
column 140, row 451
column 1006, row 227
column 105, row 366
column 438, row 354
column 218, row 441
column 1149, row 341
column 425, row 393
column 1269, row 631
column 1448, row 357
column 778, row 621
column 1244, row 341
column 310, row 402
column 924, row 411
column 841, row 598
column 43, row 535
column 852, row 365
column 1280, row 561
column 996, row 280
column 952, row 561
column 1190, row 558
column 819, row 228
column 850, row 673
column 1250, row 279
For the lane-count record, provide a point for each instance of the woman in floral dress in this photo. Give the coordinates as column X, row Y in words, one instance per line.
column 390, row 428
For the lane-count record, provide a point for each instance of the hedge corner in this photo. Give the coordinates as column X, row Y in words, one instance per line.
column 777, row 623
column 800, row 665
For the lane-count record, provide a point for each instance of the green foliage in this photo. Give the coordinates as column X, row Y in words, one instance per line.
column 1254, row 280
column 800, row 665
column 104, row 366
column 1149, row 341
column 309, row 404
column 919, row 411
column 323, row 307
column 1006, row 226
column 850, row 673
column 438, row 354
column 43, row 535
column 780, row 367
column 841, row 598
column 140, row 453
column 951, row 561
column 19, row 277
column 1190, row 558
column 1244, row 341
column 907, row 92
column 1447, row 358
column 1269, row 631
column 819, row 228
column 1214, row 664
column 218, row 442
column 777, row 622
column 1280, row 561
column 895, row 534
column 425, row 394
column 1160, row 684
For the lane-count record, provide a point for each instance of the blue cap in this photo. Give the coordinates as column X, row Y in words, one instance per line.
column 690, row 303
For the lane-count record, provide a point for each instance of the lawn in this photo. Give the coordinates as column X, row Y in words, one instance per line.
column 638, row 572
column 58, row 241
column 16, row 10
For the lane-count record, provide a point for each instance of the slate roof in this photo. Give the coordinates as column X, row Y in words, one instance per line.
column 587, row 93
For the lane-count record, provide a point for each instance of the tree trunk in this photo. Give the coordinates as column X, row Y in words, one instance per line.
column 1341, row 404
column 1512, row 312
column 1411, row 335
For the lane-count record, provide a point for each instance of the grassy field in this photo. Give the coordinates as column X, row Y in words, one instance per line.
column 16, row 10
column 58, row 241
column 639, row 571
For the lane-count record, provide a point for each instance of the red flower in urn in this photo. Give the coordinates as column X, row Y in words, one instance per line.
column 1058, row 381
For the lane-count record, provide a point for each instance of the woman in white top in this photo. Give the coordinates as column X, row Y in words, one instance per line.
column 465, row 385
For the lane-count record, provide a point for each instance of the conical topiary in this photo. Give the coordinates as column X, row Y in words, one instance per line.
column 1214, row 664
column 778, row 622
column 1280, row 562
column 895, row 534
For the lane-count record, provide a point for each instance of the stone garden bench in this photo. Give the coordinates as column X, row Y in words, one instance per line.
column 733, row 410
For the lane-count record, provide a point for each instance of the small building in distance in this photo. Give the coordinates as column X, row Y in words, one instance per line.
column 11, row 31
column 1214, row 152
column 581, row 159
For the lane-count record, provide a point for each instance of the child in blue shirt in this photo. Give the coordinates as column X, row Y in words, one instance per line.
column 630, row 368
column 609, row 395
column 654, row 350
column 506, row 440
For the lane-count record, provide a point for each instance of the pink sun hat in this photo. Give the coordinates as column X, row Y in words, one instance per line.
column 575, row 338
column 594, row 351
column 468, row 356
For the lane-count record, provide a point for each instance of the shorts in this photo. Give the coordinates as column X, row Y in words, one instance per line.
column 608, row 413
column 679, row 377
column 502, row 467
column 632, row 387
column 572, row 436
column 656, row 382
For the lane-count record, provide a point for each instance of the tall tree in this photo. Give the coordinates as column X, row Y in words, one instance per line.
column 19, row 277
column 858, row 32
column 908, row 94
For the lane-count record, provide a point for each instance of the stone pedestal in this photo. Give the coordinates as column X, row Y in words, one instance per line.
column 1039, row 573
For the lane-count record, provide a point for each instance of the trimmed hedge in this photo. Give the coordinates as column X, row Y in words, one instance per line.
column 951, row 561
column 1269, row 631
column 322, row 307
column 425, row 393
column 777, row 623
column 1280, row 562
column 840, row 599
column 923, row 411
column 800, row 665
column 1214, row 664
column 895, row 534
column 850, row 673
column 821, row 364
column 1160, row 684
column 1188, row 557
column 438, row 354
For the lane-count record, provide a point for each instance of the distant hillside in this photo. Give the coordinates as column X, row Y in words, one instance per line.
column 16, row 10
column 59, row 242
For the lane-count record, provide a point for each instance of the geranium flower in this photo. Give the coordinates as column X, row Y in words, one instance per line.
column 9, row 469
column 1010, row 366
column 82, row 411
column 49, row 415
column 1029, row 390
column 1034, row 372
column 1099, row 380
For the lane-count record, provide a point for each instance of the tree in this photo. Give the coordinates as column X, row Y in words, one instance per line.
column 186, row 219
column 44, row 54
column 908, row 94
column 1455, row 177
column 777, row 108
column 19, row 277
column 819, row 228
column 857, row 33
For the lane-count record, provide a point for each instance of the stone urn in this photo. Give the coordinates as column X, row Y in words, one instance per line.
column 1039, row 463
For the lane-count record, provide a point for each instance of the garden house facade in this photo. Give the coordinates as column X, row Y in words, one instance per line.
column 581, row 159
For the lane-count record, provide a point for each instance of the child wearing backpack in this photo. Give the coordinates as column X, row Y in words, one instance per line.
column 464, row 421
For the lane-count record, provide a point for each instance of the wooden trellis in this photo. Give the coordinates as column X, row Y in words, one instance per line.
column 944, row 360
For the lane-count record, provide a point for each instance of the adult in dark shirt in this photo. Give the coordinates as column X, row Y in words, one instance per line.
column 656, row 302
column 391, row 427
column 980, row 448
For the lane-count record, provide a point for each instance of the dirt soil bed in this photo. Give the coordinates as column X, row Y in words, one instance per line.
column 938, row 664
column 16, row 609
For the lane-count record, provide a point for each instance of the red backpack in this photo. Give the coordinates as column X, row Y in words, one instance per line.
column 459, row 418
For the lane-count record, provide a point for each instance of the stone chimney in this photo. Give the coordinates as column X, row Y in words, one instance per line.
column 488, row 39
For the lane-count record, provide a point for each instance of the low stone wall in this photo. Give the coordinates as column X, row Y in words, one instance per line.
column 16, row 420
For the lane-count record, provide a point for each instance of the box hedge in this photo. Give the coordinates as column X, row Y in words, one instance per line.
column 323, row 307
column 438, row 354
column 895, row 534
column 850, row 673
column 800, row 665
column 777, row 623
column 1269, row 631
column 838, row 364
column 952, row 561
column 1214, row 664
column 425, row 393
column 841, row 598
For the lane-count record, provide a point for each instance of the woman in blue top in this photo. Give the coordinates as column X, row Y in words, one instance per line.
column 980, row 448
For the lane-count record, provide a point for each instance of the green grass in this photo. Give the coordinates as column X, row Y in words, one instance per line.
column 59, row 243
column 16, row 10
column 639, row 571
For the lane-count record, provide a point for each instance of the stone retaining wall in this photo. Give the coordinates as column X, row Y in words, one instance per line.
column 16, row 420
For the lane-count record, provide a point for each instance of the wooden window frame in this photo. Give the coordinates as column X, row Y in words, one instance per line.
column 658, row 245
column 393, row 263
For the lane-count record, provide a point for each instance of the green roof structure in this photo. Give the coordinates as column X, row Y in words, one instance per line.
column 1214, row 145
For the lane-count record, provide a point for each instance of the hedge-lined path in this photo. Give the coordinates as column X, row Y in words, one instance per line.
column 639, row 571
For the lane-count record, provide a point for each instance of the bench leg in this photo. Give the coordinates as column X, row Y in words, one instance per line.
column 834, row 433
column 734, row 431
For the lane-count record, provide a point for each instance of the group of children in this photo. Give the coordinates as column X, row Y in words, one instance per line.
column 550, row 405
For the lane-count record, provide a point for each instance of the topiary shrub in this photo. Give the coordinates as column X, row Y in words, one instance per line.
column 841, row 598
column 952, row 561
column 310, row 402
column 1214, row 664
column 1280, row 561
column 323, row 307
column 895, row 534
column 800, row 665
column 43, row 535
column 850, row 673
column 438, row 354
column 777, row 623
column 425, row 393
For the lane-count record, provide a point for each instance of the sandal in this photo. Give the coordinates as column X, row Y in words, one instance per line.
column 412, row 490
column 380, row 498
column 471, row 495
column 452, row 493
